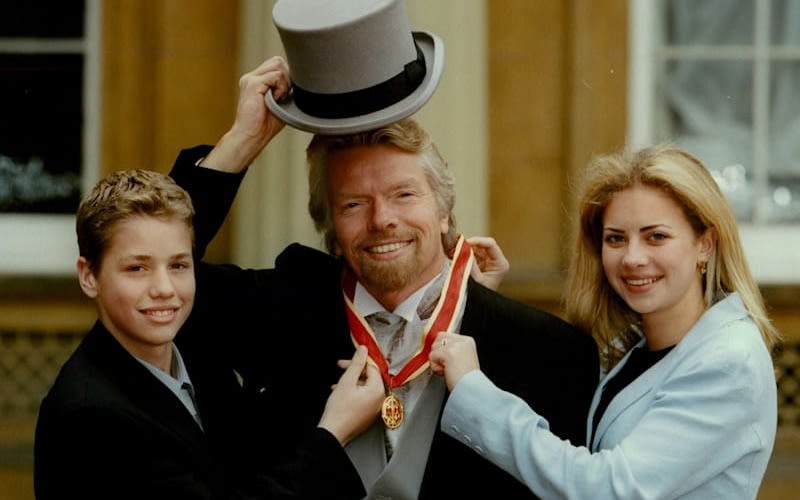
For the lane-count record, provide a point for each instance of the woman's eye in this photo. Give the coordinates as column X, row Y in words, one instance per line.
column 658, row 236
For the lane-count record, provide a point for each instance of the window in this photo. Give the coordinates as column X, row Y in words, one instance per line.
column 721, row 79
column 48, row 132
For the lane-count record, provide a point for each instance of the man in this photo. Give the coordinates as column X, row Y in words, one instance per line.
column 386, row 228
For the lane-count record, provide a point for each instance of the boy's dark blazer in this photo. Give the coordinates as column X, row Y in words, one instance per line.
column 109, row 429
column 287, row 326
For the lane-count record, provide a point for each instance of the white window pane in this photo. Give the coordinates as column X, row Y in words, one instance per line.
column 784, row 25
column 782, row 202
column 710, row 22
column 709, row 104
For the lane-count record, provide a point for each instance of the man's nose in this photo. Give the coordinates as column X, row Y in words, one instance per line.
column 384, row 214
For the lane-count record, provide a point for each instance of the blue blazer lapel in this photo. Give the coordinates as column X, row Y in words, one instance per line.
column 635, row 391
column 622, row 401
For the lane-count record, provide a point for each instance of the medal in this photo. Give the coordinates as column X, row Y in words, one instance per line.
column 443, row 319
column 392, row 411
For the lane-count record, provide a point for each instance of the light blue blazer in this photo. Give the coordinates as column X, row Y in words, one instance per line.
column 699, row 424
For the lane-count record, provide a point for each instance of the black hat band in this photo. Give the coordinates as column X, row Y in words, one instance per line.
column 363, row 101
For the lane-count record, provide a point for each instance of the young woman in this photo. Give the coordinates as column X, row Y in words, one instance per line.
column 687, row 407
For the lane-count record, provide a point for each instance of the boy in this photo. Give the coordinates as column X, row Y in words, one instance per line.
column 132, row 416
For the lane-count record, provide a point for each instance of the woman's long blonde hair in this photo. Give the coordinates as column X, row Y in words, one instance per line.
column 592, row 304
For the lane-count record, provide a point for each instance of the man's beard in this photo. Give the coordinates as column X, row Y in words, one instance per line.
column 390, row 276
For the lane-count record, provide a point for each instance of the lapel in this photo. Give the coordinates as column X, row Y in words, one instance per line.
column 135, row 389
column 471, row 320
column 624, row 399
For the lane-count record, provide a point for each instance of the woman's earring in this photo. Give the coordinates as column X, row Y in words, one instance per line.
column 703, row 267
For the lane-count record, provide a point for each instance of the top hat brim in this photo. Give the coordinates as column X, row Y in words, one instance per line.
column 432, row 48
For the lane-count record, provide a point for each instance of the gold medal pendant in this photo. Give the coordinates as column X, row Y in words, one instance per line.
column 392, row 411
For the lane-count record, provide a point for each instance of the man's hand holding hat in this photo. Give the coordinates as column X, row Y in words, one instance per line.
column 255, row 125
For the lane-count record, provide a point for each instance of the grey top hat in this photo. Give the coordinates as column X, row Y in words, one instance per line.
column 355, row 64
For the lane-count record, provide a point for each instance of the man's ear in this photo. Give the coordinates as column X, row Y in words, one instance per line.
column 86, row 278
column 444, row 224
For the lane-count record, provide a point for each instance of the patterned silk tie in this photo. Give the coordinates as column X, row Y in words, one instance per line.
column 388, row 330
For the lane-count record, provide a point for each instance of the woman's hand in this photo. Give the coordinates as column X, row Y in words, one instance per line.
column 491, row 265
column 453, row 356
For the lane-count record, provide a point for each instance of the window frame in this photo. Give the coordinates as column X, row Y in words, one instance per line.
column 44, row 245
column 772, row 250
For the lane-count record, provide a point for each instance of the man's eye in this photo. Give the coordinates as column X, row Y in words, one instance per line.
column 350, row 205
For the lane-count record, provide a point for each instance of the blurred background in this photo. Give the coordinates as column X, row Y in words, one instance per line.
column 531, row 90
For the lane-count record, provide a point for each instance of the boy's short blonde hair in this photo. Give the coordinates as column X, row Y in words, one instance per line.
column 122, row 195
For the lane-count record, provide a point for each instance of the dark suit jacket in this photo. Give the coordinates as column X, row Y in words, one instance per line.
column 109, row 429
column 288, row 327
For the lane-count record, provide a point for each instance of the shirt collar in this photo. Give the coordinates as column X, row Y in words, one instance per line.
column 178, row 375
column 366, row 304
